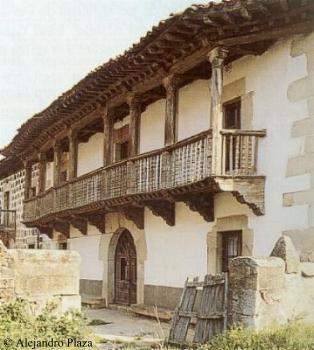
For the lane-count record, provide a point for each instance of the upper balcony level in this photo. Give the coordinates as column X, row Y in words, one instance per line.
column 180, row 172
column 7, row 226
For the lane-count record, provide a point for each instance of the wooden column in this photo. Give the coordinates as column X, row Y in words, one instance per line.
column 57, row 149
column 216, row 58
column 135, row 120
column 28, row 179
column 108, row 125
column 170, row 84
column 73, row 153
column 42, row 172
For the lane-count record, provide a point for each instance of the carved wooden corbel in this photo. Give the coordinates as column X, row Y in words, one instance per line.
column 134, row 214
column 164, row 209
column 62, row 227
column 97, row 220
column 47, row 230
column 203, row 203
column 80, row 224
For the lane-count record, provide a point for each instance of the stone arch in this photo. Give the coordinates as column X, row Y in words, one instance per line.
column 140, row 246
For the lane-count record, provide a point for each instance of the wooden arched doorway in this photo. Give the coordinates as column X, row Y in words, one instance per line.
column 125, row 270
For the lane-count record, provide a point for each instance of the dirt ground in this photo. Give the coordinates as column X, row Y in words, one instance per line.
column 116, row 329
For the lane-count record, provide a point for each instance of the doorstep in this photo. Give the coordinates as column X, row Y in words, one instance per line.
column 93, row 302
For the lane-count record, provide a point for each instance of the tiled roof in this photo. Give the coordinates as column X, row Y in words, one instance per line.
column 165, row 44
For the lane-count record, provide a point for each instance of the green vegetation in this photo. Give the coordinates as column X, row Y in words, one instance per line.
column 21, row 328
column 295, row 336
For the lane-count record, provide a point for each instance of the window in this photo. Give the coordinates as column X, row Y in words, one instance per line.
column 231, row 247
column 121, row 143
column 232, row 114
column 121, row 151
column 31, row 246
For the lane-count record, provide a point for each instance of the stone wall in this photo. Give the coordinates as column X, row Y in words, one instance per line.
column 272, row 290
column 40, row 276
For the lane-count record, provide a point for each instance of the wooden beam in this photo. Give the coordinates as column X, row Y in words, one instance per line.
column 284, row 5
column 80, row 223
column 304, row 27
column 47, row 230
column 97, row 220
column 134, row 103
column 28, row 179
column 62, row 227
column 203, row 204
column 42, row 169
column 57, row 149
column 164, row 209
column 134, row 214
column 108, row 126
column 73, row 153
column 170, row 83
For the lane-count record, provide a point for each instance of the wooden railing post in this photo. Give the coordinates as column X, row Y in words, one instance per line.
column 108, row 126
column 170, row 83
column 135, row 121
column 57, row 162
column 216, row 58
column 42, row 172
column 28, row 179
column 73, row 153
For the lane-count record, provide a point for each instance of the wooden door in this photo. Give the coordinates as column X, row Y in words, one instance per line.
column 125, row 270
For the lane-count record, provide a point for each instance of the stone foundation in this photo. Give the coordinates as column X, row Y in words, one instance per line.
column 273, row 290
column 40, row 276
column 91, row 288
column 161, row 296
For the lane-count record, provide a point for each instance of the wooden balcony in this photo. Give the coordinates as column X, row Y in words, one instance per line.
column 7, row 226
column 182, row 172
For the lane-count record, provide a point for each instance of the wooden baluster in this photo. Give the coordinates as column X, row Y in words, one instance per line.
column 246, row 162
column 231, row 154
column 255, row 154
column 224, row 154
column 236, row 155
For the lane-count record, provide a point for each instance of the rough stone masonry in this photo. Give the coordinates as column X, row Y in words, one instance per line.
column 276, row 289
column 40, row 276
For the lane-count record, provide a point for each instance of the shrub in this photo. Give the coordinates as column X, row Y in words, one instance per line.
column 295, row 336
column 18, row 325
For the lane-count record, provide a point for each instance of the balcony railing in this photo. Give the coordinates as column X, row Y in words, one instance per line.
column 184, row 163
column 239, row 152
column 7, row 220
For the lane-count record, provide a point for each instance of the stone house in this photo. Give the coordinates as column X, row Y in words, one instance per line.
column 193, row 147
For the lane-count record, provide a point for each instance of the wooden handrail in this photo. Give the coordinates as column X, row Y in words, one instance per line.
column 259, row 133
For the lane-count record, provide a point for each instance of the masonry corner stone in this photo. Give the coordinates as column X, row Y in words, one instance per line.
column 307, row 269
column 285, row 250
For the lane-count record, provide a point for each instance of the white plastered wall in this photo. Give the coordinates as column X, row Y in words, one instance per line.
column 193, row 109
column 174, row 253
column 88, row 247
column 153, row 126
column 268, row 77
column 90, row 154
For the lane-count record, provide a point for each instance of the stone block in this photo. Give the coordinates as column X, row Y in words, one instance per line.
column 303, row 127
column 302, row 45
column 307, row 269
column 301, row 89
column 285, row 250
column 300, row 165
